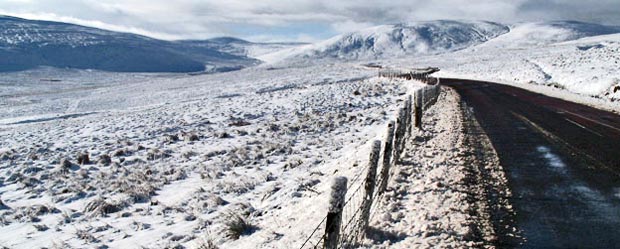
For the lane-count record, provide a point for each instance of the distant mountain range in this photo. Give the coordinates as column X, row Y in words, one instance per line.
column 27, row 44
column 435, row 37
column 398, row 40
column 241, row 47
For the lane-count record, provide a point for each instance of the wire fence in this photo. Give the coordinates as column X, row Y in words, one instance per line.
column 423, row 75
column 353, row 202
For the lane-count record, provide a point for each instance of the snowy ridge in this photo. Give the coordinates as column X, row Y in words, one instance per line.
column 241, row 47
column 27, row 44
column 399, row 40
column 16, row 31
column 543, row 33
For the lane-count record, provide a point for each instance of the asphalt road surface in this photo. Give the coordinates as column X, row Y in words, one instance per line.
column 562, row 161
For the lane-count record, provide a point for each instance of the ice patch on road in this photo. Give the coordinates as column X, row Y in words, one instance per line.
column 552, row 159
column 589, row 193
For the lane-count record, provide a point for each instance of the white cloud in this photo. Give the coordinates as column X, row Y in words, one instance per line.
column 350, row 26
column 304, row 38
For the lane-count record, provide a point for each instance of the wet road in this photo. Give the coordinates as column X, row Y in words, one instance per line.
column 562, row 161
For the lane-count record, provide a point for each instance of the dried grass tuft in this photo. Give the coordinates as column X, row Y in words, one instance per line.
column 237, row 225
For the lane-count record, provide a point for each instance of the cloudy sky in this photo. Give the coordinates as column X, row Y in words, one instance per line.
column 294, row 20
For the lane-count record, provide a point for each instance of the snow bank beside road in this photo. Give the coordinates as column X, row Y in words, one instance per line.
column 440, row 192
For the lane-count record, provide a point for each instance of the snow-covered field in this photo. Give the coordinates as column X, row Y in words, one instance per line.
column 176, row 159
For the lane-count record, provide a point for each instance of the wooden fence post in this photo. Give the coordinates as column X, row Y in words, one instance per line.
column 369, row 185
column 418, row 110
column 437, row 92
column 334, row 213
column 400, row 133
column 387, row 157
column 422, row 97
column 409, row 114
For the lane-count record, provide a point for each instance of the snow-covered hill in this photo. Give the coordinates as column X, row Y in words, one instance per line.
column 557, row 58
column 241, row 47
column 390, row 41
column 542, row 33
column 26, row 44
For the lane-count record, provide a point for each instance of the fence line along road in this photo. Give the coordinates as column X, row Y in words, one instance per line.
column 351, row 201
